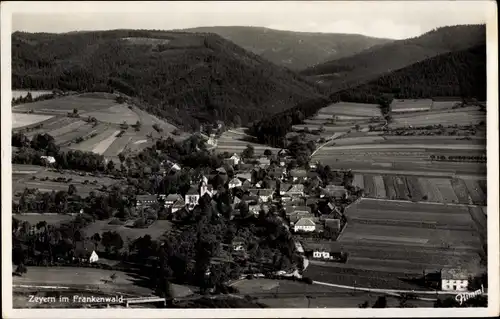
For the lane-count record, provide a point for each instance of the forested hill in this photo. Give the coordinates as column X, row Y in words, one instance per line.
column 455, row 74
column 184, row 77
column 461, row 74
column 295, row 50
column 376, row 61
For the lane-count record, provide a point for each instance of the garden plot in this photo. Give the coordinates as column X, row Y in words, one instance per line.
column 414, row 188
column 400, row 187
column 20, row 120
column 82, row 131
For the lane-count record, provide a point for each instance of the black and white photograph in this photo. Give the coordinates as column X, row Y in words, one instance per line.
column 292, row 158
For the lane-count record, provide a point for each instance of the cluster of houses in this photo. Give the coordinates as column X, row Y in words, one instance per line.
column 309, row 205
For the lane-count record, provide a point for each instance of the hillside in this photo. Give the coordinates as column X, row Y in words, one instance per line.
column 184, row 77
column 378, row 60
column 455, row 74
column 460, row 74
column 295, row 50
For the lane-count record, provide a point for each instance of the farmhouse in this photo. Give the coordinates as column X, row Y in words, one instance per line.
column 297, row 190
column 48, row 160
column 334, row 191
column 84, row 252
column 297, row 174
column 207, row 189
column 179, row 204
column 145, row 200
column 170, row 199
column 454, row 279
column 266, row 195
column 304, row 225
column 235, row 182
column 192, row 197
column 284, row 187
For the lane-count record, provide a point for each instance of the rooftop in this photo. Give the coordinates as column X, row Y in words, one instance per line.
column 305, row 222
column 454, row 273
column 298, row 173
column 146, row 197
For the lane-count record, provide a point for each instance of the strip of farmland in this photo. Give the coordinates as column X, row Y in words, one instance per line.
column 118, row 145
column 389, row 187
column 104, row 144
column 475, row 192
column 358, row 181
column 66, row 129
column 414, row 188
column 369, row 185
column 430, row 190
column 102, row 130
column 379, row 186
column 460, row 190
column 445, row 188
column 401, row 188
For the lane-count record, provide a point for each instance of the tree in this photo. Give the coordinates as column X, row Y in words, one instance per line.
column 363, row 305
column 268, row 152
column 380, row 303
column 71, row 190
column 138, row 126
column 121, row 157
column 75, row 112
column 21, row 269
column 111, row 165
column 112, row 241
column 249, row 152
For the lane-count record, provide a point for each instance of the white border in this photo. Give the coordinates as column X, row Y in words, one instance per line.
column 7, row 8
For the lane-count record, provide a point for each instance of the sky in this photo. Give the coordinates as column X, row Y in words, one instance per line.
column 384, row 19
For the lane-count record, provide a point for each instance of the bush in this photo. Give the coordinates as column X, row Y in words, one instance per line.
column 307, row 280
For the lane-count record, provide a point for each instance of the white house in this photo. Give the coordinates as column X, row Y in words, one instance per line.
column 192, row 197
column 93, row 257
column 321, row 254
column 170, row 199
column 235, row 159
column 179, row 204
column 206, row 189
column 235, row 182
column 454, row 279
column 266, row 195
column 48, row 159
column 304, row 225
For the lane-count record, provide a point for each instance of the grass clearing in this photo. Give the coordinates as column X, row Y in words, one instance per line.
column 115, row 114
column 67, row 128
column 66, row 104
column 20, row 120
column 156, row 230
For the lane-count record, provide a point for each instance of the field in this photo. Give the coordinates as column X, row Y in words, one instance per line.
column 236, row 140
column 422, row 189
column 50, row 116
column 291, row 294
column 45, row 180
column 75, row 281
column 156, row 230
column 21, row 120
column 389, row 242
column 411, row 105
